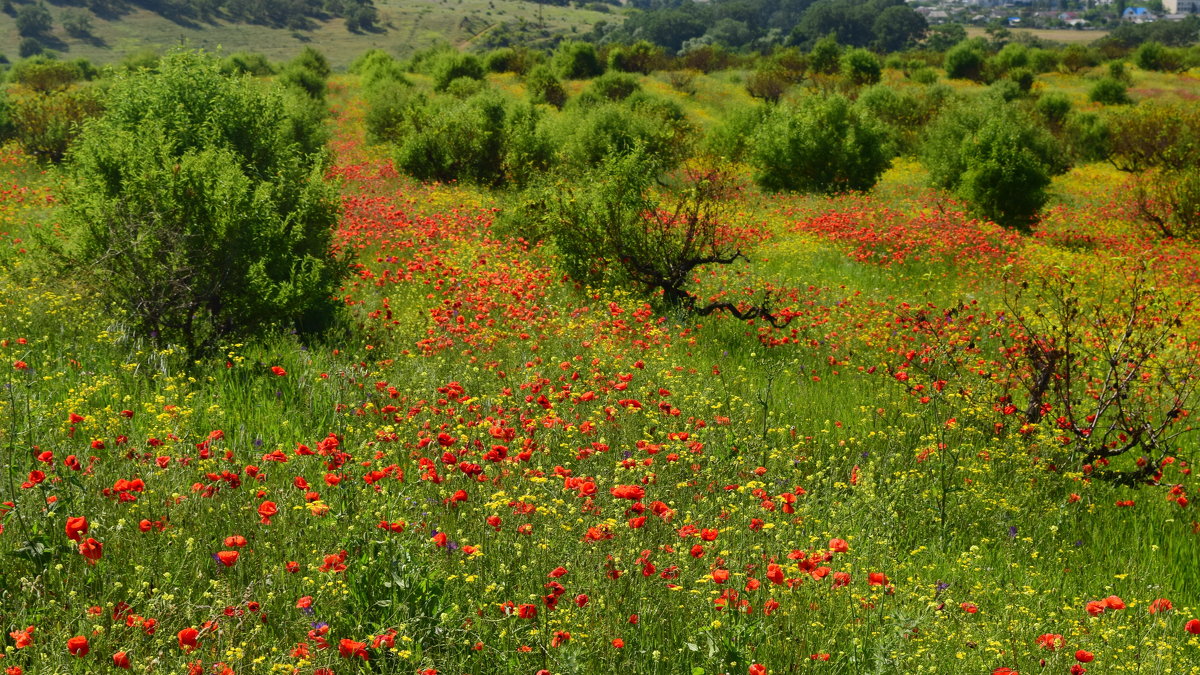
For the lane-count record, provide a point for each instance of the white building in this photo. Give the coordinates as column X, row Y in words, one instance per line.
column 1181, row 6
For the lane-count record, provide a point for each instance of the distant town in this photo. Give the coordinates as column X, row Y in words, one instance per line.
column 1061, row 14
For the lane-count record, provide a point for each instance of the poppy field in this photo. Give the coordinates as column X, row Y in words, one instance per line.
column 966, row 450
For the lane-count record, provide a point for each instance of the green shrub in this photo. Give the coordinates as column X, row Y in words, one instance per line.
column 1054, row 108
column 861, row 67
column 618, row 128
column 925, row 75
column 1023, row 78
column 42, row 74
column 903, row 113
column 768, row 82
column 614, row 86
column 1109, row 91
column 251, row 63
column 822, row 145
column 1156, row 56
column 1154, row 134
column 512, row 60
column 1087, row 136
column 482, row 140
column 190, row 208
column 387, row 104
column 640, row 57
column 29, row 47
column 376, row 66
column 732, row 138
column 544, row 87
column 310, row 82
column 46, row 123
column 965, row 61
column 452, row 65
column 993, row 158
column 1043, row 60
column 826, row 56
column 313, row 60
column 577, row 61
column 1012, row 55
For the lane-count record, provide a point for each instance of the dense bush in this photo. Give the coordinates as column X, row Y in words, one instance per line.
column 376, row 66
column 1155, row 134
column 46, row 123
column 861, row 67
column 577, row 61
column 965, row 61
column 250, row 63
column 190, row 208
column 42, row 74
column 387, row 104
column 995, row 159
column 768, row 82
column 903, row 113
column 640, row 57
column 733, row 137
column 822, row 145
column 1156, row 56
column 619, row 128
column 482, row 139
column 613, row 86
column 544, row 87
column 512, row 60
column 452, row 65
column 1109, row 91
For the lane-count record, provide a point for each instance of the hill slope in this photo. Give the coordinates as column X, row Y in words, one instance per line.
column 404, row 26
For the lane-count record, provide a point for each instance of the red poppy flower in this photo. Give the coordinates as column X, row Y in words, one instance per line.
column 758, row 669
column 91, row 549
column 349, row 649
column 618, row 643
column 78, row 646
column 188, row 638
column 121, row 660
column 839, row 545
column 774, row 573
column 558, row 572
column 1050, row 641
column 227, row 558
column 76, row 528
column 627, row 492
column 1160, row 605
column 1192, row 626
column 266, row 510
column 969, row 608
column 22, row 638
column 1084, row 656
column 278, row 370
column 527, row 611
column 720, row 576
column 877, row 579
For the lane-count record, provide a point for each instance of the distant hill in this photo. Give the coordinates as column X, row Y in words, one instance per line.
column 400, row 27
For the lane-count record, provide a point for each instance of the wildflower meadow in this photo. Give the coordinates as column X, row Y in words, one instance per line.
column 960, row 448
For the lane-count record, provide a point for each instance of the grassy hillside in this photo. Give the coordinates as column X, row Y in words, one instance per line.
column 404, row 26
